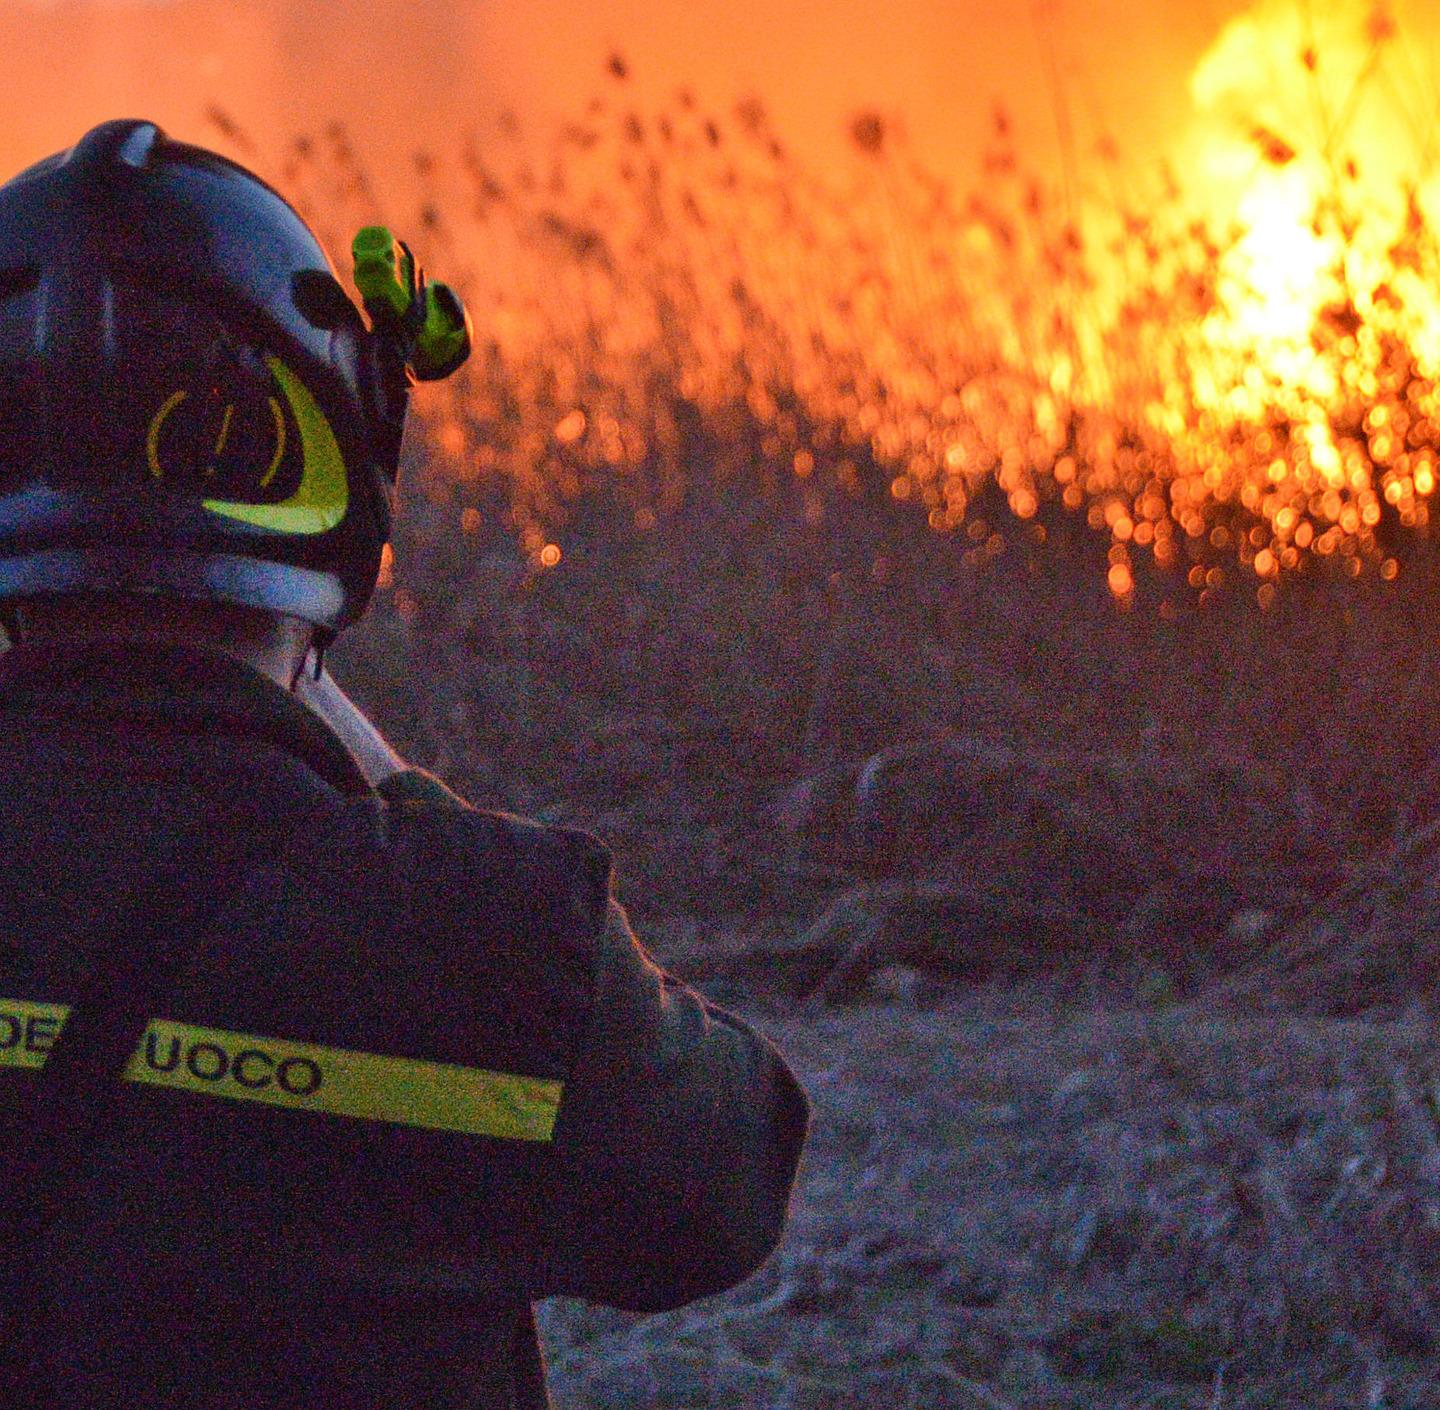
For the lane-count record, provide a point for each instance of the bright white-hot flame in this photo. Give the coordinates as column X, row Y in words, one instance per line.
column 1278, row 273
column 1294, row 106
column 1255, row 93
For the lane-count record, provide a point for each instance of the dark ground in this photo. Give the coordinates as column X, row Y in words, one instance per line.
column 1103, row 941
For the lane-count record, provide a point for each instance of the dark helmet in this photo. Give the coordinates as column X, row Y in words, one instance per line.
column 190, row 403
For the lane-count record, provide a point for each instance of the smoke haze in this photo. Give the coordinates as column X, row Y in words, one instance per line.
column 403, row 77
column 1186, row 80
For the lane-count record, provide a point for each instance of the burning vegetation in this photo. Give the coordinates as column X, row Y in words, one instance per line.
column 1231, row 380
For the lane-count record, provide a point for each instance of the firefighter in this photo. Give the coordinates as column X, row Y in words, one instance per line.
column 313, row 1077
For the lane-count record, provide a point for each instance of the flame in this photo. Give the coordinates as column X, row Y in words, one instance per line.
column 1290, row 115
column 1277, row 271
column 1231, row 380
column 1243, row 382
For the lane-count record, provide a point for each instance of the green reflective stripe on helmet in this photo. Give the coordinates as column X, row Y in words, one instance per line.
column 320, row 499
column 383, row 272
column 245, row 1067
column 168, row 398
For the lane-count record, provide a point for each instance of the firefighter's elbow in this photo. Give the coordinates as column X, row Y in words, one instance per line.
column 716, row 1254
column 739, row 1249
column 727, row 1218
column 748, row 1207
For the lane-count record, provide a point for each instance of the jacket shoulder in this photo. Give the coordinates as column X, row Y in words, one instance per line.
column 557, row 876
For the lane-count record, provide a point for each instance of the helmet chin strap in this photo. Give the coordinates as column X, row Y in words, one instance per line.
column 320, row 642
column 14, row 627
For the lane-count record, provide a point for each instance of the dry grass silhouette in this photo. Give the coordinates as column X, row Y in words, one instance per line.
column 757, row 473
column 669, row 296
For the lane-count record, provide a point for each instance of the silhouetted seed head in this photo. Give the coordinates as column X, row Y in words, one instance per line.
column 220, row 119
column 576, row 136
column 229, row 128
column 618, row 68
column 489, row 188
column 867, row 132
column 750, row 114
column 1274, row 148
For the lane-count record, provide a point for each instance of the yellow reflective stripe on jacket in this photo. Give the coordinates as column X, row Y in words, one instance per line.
column 308, row 1077
column 27, row 1031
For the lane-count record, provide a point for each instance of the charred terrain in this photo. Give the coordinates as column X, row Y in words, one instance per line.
column 1105, row 943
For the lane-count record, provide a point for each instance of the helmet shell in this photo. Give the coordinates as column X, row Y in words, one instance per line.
column 185, row 402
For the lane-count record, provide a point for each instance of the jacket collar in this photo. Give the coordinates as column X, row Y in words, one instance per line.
column 182, row 688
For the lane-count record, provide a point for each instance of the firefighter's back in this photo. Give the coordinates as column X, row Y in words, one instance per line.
column 321, row 1170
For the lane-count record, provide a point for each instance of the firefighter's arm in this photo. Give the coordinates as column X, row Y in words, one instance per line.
column 676, row 1145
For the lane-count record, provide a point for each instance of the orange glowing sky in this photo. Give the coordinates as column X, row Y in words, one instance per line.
column 410, row 73
column 1186, row 80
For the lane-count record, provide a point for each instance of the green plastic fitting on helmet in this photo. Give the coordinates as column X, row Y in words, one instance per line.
column 384, row 271
column 427, row 323
column 443, row 341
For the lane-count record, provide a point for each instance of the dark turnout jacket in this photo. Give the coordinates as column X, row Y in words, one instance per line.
column 413, row 1075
